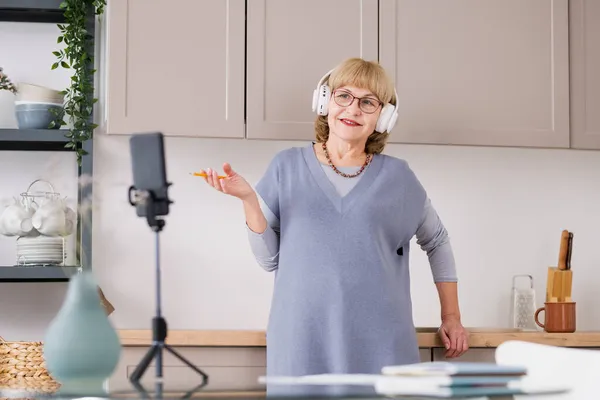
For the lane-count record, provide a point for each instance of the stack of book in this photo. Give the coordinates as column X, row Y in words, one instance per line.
column 434, row 380
column 459, row 379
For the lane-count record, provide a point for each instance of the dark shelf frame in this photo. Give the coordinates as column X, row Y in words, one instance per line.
column 43, row 11
column 37, row 273
column 48, row 11
column 33, row 139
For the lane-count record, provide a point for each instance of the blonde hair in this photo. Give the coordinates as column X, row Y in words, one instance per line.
column 366, row 75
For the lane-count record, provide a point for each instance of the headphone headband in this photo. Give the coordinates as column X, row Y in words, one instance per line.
column 326, row 76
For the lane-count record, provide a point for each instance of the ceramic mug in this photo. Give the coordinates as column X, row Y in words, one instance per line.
column 16, row 219
column 54, row 218
column 49, row 219
column 559, row 317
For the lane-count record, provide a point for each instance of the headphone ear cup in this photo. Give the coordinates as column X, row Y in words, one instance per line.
column 321, row 98
column 393, row 120
column 387, row 119
column 315, row 100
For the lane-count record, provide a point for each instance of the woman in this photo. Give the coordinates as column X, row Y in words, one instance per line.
column 334, row 220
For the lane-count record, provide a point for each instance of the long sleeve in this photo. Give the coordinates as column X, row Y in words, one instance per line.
column 432, row 237
column 265, row 246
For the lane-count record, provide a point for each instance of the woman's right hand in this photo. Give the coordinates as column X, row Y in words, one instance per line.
column 232, row 184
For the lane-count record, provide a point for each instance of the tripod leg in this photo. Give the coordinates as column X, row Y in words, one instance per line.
column 143, row 365
column 191, row 392
column 186, row 362
column 143, row 392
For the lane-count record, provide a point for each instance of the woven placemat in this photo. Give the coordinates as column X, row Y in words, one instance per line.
column 22, row 366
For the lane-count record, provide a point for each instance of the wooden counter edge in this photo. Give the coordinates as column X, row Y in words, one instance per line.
column 250, row 338
column 203, row 338
column 494, row 339
column 213, row 394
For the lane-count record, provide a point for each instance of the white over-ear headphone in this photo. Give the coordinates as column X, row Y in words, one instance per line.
column 322, row 94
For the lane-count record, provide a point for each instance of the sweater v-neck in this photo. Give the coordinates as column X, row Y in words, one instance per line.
column 341, row 203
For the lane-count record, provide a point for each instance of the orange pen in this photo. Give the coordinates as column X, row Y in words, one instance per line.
column 202, row 174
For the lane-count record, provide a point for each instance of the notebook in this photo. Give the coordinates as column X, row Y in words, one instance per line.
column 444, row 368
column 393, row 387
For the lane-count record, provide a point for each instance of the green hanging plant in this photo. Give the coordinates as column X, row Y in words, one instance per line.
column 78, row 55
column 6, row 84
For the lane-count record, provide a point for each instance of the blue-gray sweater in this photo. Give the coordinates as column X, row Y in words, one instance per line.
column 431, row 235
column 340, row 250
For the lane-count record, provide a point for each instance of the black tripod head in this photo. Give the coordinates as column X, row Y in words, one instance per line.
column 148, row 206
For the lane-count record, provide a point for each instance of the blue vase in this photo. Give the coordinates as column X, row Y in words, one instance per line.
column 81, row 347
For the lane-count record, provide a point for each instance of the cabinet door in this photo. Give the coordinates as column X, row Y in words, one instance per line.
column 229, row 369
column 472, row 72
column 425, row 354
column 472, row 355
column 291, row 45
column 585, row 74
column 176, row 66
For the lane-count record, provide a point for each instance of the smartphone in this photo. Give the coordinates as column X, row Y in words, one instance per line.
column 150, row 172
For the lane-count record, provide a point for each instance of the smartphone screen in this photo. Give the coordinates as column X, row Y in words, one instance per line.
column 149, row 171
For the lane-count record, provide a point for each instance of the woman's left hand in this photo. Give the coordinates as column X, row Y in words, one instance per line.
column 454, row 336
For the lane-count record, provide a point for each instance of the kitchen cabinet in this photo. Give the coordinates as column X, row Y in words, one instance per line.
column 494, row 73
column 238, row 357
column 184, row 73
column 475, row 72
column 176, row 66
column 585, row 74
column 291, row 45
column 229, row 368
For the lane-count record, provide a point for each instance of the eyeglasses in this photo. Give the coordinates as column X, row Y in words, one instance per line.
column 367, row 104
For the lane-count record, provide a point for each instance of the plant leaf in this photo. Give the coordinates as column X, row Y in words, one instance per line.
column 78, row 55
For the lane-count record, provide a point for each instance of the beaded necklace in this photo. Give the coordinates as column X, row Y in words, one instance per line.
column 337, row 171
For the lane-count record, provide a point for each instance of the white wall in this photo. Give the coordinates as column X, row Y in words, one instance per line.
column 504, row 209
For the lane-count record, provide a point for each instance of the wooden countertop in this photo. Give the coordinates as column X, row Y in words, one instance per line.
column 427, row 338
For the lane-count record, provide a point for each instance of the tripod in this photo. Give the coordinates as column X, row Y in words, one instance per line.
column 159, row 324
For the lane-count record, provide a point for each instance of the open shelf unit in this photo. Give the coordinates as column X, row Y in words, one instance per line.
column 47, row 11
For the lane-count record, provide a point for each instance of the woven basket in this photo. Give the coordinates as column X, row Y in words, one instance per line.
column 22, row 366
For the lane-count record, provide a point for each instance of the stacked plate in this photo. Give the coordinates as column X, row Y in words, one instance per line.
column 40, row 250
